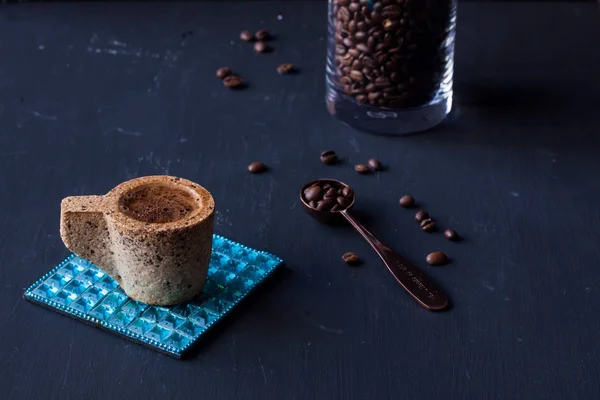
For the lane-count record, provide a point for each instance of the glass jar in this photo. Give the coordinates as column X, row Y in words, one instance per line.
column 390, row 63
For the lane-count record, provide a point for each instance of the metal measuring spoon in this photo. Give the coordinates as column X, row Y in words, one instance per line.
column 409, row 276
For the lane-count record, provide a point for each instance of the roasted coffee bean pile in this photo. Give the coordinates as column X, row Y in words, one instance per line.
column 390, row 53
column 328, row 196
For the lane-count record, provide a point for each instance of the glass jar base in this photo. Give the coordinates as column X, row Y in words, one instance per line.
column 389, row 121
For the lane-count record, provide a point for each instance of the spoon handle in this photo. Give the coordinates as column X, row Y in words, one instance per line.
column 409, row 276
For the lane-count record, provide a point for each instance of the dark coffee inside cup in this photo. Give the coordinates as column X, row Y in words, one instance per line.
column 158, row 203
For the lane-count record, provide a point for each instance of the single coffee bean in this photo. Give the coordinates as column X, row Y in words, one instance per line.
column 360, row 36
column 262, row 34
column 233, row 82
column 223, row 72
column 347, row 192
column 361, row 168
column 374, row 164
column 312, row 204
column 361, row 98
column 284, row 69
column 325, row 204
column 331, row 193
column 329, row 157
column 351, row 258
column 335, row 208
column 313, row 193
column 363, row 48
column 257, row 167
column 407, row 201
column 427, row 225
column 436, row 258
column 260, row 47
column 354, row 7
column 421, row 215
column 246, row 36
column 344, row 202
column 326, row 186
column 450, row 234
column 357, row 76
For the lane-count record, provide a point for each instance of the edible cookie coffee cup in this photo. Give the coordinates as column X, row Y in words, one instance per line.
column 153, row 235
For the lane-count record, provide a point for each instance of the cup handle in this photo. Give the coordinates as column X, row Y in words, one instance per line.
column 84, row 230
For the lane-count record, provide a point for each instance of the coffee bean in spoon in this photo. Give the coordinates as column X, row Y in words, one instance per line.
column 407, row 201
column 313, row 193
column 344, row 202
column 325, row 204
column 331, row 193
column 257, row 167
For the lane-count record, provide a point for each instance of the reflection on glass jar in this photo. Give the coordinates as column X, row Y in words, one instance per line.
column 390, row 63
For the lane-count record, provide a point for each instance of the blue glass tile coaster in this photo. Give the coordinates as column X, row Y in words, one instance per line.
column 81, row 290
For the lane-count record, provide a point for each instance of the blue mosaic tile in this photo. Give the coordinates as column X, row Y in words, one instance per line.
column 81, row 290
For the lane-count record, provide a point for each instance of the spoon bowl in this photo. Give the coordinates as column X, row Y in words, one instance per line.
column 326, row 216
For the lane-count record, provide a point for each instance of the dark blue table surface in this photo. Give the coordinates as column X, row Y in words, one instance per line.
column 95, row 94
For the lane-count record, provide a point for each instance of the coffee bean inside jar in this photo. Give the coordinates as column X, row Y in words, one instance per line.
column 390, row 54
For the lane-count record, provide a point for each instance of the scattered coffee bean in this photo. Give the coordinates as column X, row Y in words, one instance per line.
column 262, row 34
column 407, row 201
column 313, row 193
column 233, row 82
column 351, row 258
column 260, row 47
column 450, row 234
column 285, row 69
column 223, row 72
column 427, row 225
column 374, row 164
column 399, row 49
column 246, row 36
column 421, row 215
column 329, row 157
column 257, row 167
column 436, row 258
column 361, row 168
